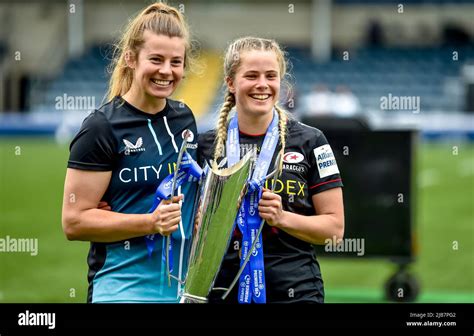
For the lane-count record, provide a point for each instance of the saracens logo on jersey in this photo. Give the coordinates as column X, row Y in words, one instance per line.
column 293, row 157
column 132, row 148
column 291, row 160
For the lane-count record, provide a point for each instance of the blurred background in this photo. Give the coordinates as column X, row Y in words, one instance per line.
column 390, row 83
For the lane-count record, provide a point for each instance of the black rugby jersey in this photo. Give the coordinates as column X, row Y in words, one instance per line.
column 140, row 149
column 292, row 271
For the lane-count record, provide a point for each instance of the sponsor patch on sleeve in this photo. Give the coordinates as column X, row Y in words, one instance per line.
column 325, row 161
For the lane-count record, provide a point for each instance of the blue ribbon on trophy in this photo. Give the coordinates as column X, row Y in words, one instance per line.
column 186, row 168
column 252, row 273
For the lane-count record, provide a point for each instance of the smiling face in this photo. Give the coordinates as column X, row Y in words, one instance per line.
column 256, row 84
column 159, row 66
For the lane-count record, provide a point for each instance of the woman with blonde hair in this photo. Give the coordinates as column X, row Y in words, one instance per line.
column 122, row 152
column 306, row 206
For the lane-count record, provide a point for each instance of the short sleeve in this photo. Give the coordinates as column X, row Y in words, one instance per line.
column 94, row 146
column 324, row 173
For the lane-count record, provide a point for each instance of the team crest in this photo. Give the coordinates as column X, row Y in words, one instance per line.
column 188, row 134
column 293, row 157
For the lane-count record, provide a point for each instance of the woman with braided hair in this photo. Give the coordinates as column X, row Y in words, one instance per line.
column 306, row 204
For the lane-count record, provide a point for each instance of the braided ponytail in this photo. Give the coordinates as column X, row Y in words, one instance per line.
column 283, row 118
column 221, row 136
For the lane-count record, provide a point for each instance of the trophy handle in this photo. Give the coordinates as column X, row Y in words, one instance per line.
column 173, row 187
column 182, row 282
column 275, row 173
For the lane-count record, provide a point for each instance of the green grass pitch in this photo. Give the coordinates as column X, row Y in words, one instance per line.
column 31, row 183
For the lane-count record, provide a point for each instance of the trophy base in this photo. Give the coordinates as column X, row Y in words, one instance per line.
column 188, row 298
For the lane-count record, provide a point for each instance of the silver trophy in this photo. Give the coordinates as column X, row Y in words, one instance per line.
column 222, row 191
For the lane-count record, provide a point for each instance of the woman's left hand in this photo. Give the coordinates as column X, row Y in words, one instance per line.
column 270, row 208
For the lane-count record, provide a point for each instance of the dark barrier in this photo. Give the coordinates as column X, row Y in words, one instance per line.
column 377, row 169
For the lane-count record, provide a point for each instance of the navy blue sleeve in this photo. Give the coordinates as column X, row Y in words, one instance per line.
column 94, row 146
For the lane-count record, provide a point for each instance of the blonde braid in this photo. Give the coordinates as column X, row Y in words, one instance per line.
column 282, row 127
column 221, row 136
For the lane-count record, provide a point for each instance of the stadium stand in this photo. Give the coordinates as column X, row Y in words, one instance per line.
column 371, row 73
column 84, row 75
column 375, row 72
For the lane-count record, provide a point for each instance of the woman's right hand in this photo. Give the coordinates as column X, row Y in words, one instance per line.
column 166, row 217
